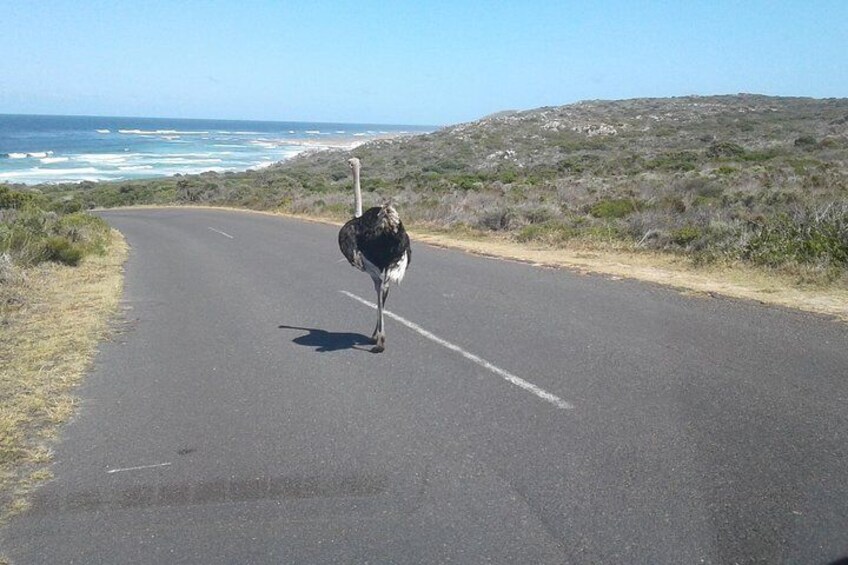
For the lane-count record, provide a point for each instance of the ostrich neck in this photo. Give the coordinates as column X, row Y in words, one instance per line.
column 357, row 193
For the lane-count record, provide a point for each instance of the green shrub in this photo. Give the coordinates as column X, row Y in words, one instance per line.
column 551, row 232
column 685, row 235
column 613, row 208
column 89, row 233
column 61, row 250
column 31, row 235
column 468, row 182
column 806, row 142
column 15, row 199
column 497, row 220
column 810, row 236
column 507, row 176
column 725, row 149
column 760, row 156
column 678, row 161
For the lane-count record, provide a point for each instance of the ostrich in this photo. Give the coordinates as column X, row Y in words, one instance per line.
column 375, row 242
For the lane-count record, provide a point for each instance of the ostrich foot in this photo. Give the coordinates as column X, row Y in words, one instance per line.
column 380, row 344
column 374, row 336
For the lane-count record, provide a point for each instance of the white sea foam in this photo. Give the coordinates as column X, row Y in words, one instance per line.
column 195, row 154
column 39, row 172
column 136, row 168
column 50, row 160
column 104, row 131
column 312, row 131
column 31, row 155
column 185, row 161
column 107, row 158
column 262, row 143
column 160, row 132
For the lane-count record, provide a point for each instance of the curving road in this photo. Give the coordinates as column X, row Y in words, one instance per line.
column 519, row 415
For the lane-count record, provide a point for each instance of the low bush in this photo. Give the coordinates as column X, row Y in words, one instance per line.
column 725, row 149
column 30, row 235
column 61, row 250
column 613, row 208
column 685, row 235
column 680, row 161
column 497, row 220
column 550, row 232
column 809, row 236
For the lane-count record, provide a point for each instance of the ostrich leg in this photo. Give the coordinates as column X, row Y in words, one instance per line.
column 379, row 332
column 377, row 286
column 385, row 295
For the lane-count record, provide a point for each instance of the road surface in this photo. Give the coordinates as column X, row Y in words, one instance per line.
column 519, row 415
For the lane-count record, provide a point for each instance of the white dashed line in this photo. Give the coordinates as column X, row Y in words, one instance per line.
column 506, row 375
column 222, row 233
column 121, row 470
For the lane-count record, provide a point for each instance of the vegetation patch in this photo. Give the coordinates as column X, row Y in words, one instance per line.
column 613, row 208
column 551, row 232
column 30, row 235
column 816, row 237
column 684, row 236
column 60, row 279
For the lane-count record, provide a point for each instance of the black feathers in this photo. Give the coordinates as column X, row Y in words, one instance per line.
column 377, row 236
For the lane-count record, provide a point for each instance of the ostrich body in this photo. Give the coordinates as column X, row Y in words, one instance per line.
column 376, row 242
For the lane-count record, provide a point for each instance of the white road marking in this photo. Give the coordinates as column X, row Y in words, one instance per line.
column 222, row 233
column 121, row 470
column 506, row 375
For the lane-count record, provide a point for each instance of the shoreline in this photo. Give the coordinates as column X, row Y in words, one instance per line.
column 125, row 155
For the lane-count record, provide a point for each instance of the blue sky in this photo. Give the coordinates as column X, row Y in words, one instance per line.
column 424, row 62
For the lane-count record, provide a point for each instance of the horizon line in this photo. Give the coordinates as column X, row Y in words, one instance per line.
column 39, row 115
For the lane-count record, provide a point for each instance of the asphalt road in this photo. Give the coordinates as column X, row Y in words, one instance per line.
column 519, row 415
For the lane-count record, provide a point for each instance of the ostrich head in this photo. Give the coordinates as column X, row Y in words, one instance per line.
column 354, row 164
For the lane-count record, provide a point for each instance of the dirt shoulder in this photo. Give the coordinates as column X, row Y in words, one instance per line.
column 736, row 281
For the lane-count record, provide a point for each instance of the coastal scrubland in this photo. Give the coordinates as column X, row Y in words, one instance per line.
column 722, row 179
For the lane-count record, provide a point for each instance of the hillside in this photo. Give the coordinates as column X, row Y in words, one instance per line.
column 744, row 177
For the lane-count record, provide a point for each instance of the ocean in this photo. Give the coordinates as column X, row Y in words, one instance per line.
column 55, row 149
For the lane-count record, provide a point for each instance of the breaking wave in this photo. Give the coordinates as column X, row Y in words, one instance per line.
column 160, row 132
column 29, row 155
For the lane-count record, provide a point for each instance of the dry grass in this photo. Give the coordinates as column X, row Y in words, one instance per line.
column 48, row 334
